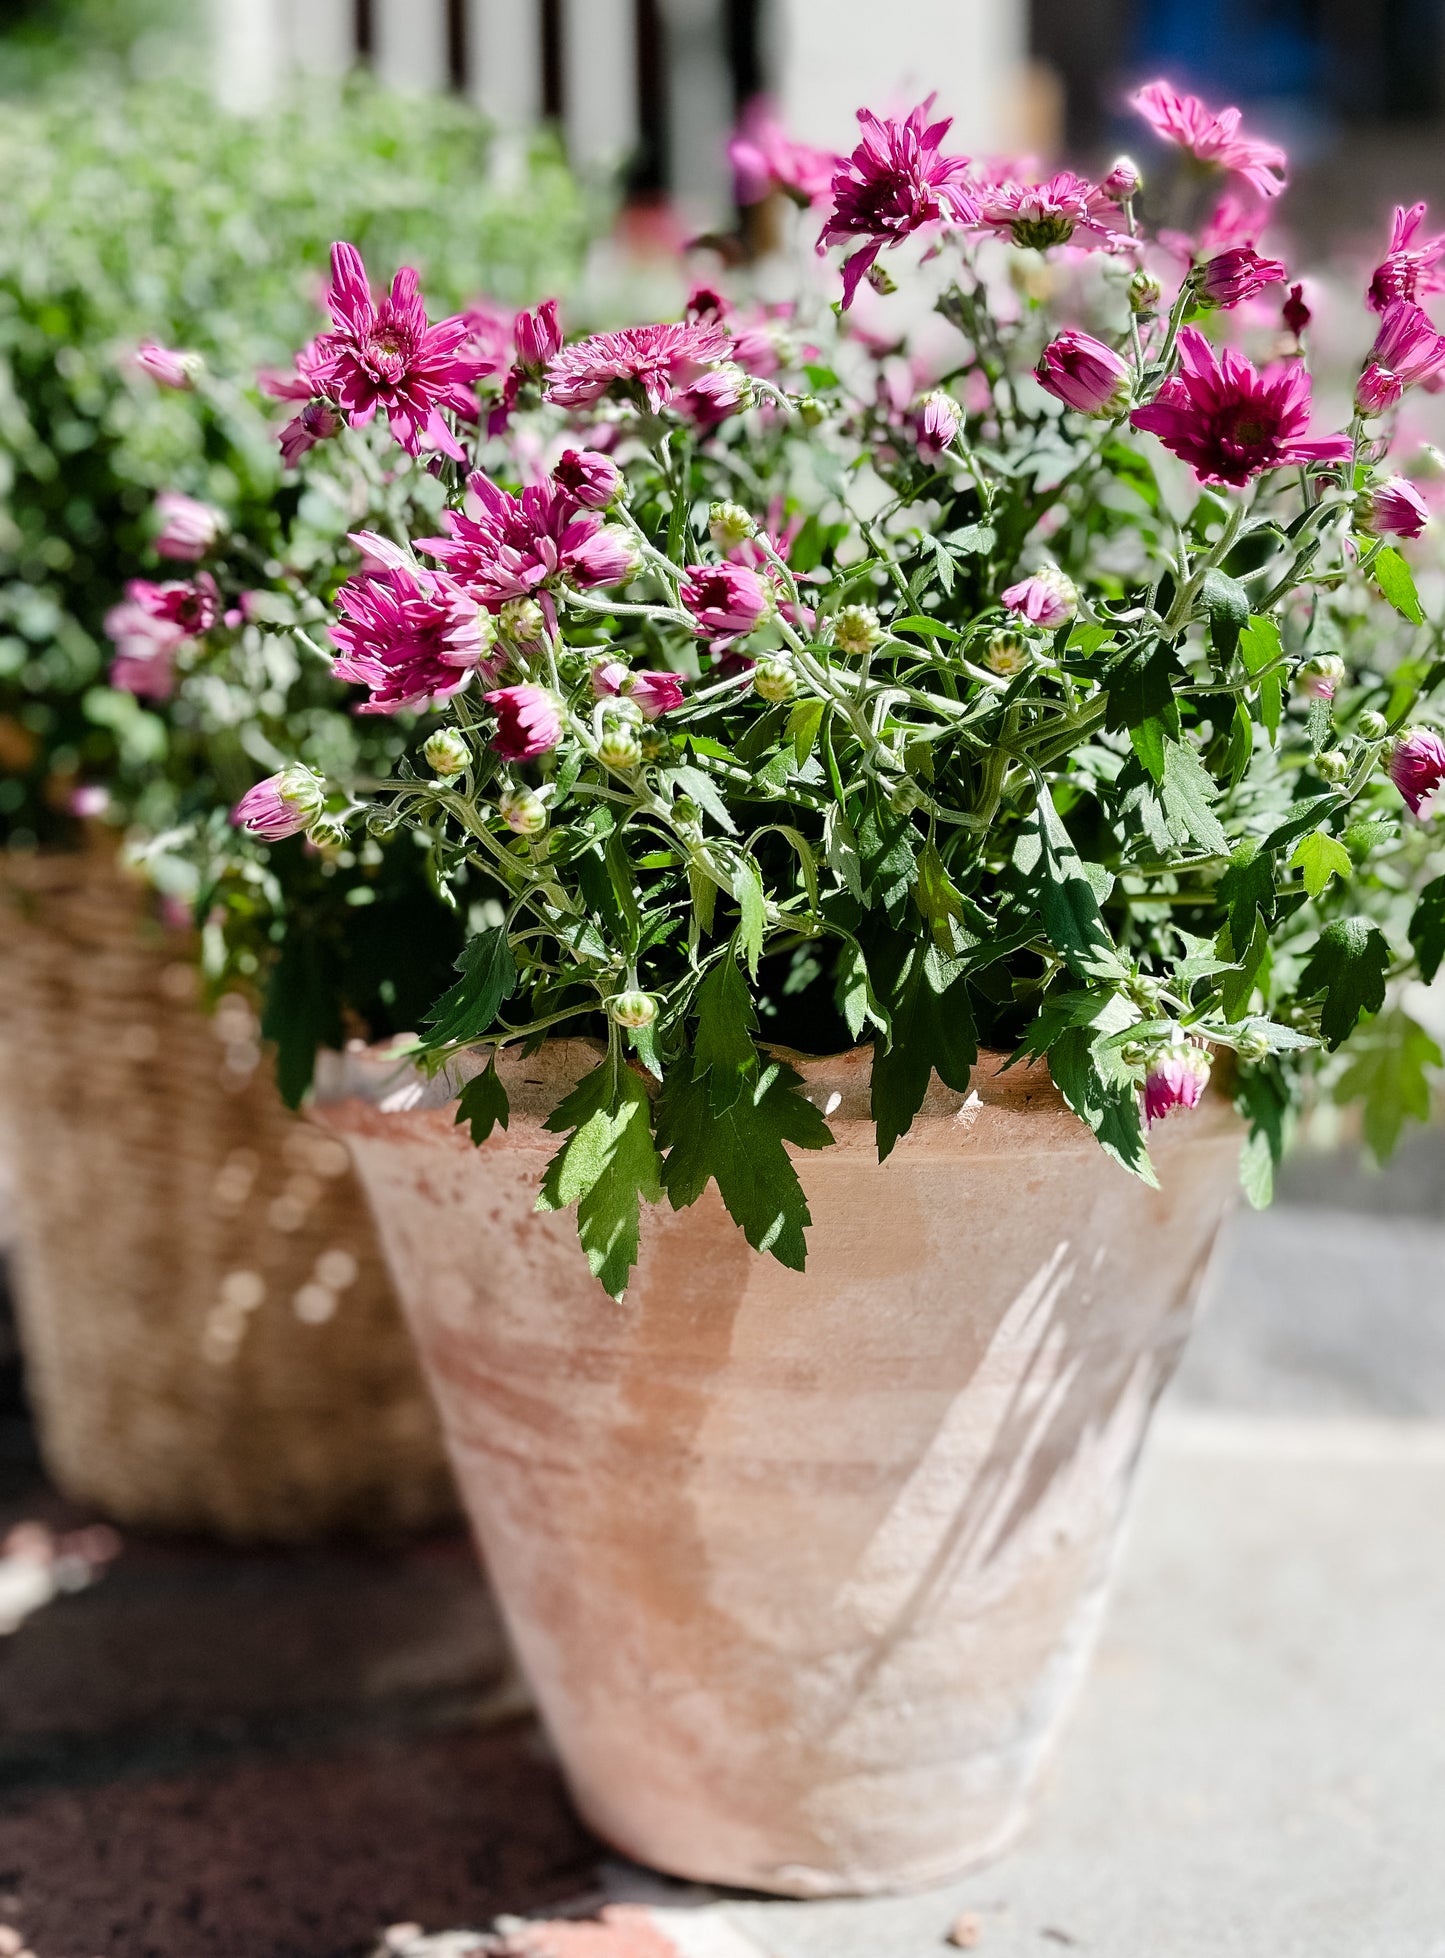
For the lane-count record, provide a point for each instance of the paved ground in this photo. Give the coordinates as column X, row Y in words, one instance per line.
column 211, row 1755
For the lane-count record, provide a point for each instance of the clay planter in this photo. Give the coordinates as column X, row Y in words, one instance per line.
column 211, row 1338
column 804, row 1570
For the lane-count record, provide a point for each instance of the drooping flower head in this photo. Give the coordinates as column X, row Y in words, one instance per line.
column 1417, row 768
column 1210, row 137
column 188, row 528
column 1394, row 508
column 1177, row 1077
column 765, row 158
column 1047, row 598
column 1084, row 374
column 281, row 806
column 588, row 477
column 652, row 360
column 896, row 182
column 168, row 365
column 505, row 547
column 1295, row 313
column 1228, row 421
column 726, row 601
column 937, row 418
column 529, row 721
column 317, row 422
column 191, row 606
column 412, row 636
column 1065, row 209
column 1231, row 277
column 388, row 357
column 652, row 693
column 1407, row 349
column 1411, row 266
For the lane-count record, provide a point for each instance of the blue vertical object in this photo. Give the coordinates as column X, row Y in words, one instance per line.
column 1238, row 50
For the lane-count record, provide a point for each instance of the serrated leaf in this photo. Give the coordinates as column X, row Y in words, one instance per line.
column 1302, row 816
column 939, row 900
column 931, row 1030
column 841, row 850
column 753, row 918
column 489, row 976
column 1260, row 1099
column 743, row 1152
column 697, row 783
column 608, row 1167
column 1396, row 581
column 1389, row 1073
column 1348, row 964
column 1227, row 603
column 723, row 1053
column 1236, row 987
column 887, row 842
column 1187, row 792
column 1054, row 876
column 1260, row 646
column 804, row 719
column 1103, row 1096
column 1427, row 929
column 483, row 1104
column 1319, row 857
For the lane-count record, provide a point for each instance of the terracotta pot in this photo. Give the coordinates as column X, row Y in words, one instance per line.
column 804, row 1569
column 211, row 1337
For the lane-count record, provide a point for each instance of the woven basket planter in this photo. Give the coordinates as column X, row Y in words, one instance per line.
column 210, row 1335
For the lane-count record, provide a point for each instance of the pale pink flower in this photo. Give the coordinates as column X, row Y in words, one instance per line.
column 1211, row 138
column 1177, row 1077
column 411, row 636
column 1417, row 768
column 896, row 182
column 651, row 692
column 191, row 607
column 281, row 806
column 167, row 365
column 1065, row 209
column 1084, row 374
column 88, row 800
column 655, row 360
column 725, row 600
column 505, row 547
column 529, row 721
column 1411, row 266
column 1123, row 181
column 1228, row 421
column 712, row 397
column 145, row 650
column 937, row 418
column 1047, row 598
column 1407, row 349
column 1394, row 508
column 1238, row 274
column 765, row 158
column 188, row 528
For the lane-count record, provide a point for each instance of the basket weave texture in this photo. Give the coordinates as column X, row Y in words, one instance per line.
column 210, row 1335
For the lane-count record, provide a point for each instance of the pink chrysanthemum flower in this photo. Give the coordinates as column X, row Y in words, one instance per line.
column 190, row 607
column 937, row 418
column 317, row 422
column 168, row 365
column 539, row 338
column 655, row 359
column 1231, row 277
column 411, row 636
column 1177, row 1077
column 1228, row 421
column 1084, row 374
column 1066, row 209
column 529, row 721
column 1047, row 598
column 1407, row 349
column 1411, row 266
column 651, row 693
column 765, row 158
column 896, row 182
column 1211, row 138
column 712, row 397
column 145, row 650
column 188, row 528
column 588, row 477
column 1394, row 508
column 387, row 356
column 726, row 601
column 1417, row 768
column 507, row 547
column 281, row 806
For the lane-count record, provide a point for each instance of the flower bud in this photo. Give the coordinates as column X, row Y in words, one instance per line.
column 1373, row 726
column 685, row 813
column 655, row 742
column 856, row 630
column 445, row 753
column 774, row 680
column 1318, row 678
column 620, row 745
column 1123, row 181
column 327, row 833
column 1177, row 1078
column 1006, row 654
column 282, row 805
column 904, row 797
column 1252, row 1045
column 1295, row 313
column 1417, row 768
column 1047, row 598
column 1084, row 374
column 1394, row 508
column 523, row 810
column 937, row 418
column 521, row 619
column 538, row 337
column 811, row 412
column 632, row 1009
column 1333, row 765
column 729, row 524
column 881, row 280
column 1145, row 294
column 171, row 366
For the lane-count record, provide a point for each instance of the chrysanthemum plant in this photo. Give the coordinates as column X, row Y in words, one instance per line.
column 983, row 654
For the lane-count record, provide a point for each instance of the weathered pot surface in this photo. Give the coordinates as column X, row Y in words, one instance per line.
column 804, row 1569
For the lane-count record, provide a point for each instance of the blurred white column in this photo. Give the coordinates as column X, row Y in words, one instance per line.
column 322, row 35
column 248, row 52
column 699, row 106
column 836, row 56
column 411, row 43
column 504, row 41
column 599, row 75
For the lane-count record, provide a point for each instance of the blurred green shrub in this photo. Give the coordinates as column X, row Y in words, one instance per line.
column 139, row 211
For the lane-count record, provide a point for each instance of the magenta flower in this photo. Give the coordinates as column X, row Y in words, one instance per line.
column 937, row 418
column 1122, row 182
column 1177, row 1077
column 488, row 347
column 1230, row 422
column 656, row 360
column 282, row 805
column 896, row 182
column 1236, row 275
column 1084, row 374
column 725, row 600
column 1210, row 138
column 387, row 356
column 1417, row 768
column 1066, row 209
column 317, row 422
column 1047, row 598
column 529, row 721
column 588, row 477
column 507, row 547
column 191, row 608
column 1407, row 349
column 167, row 365
column 304, row 381
column 712, row 397
column 1394, row 508
column 1411, row 266
column 188, row 528
column 87, row 801
column 1295, row 314
column 765, row 158
column 145, row 650
column 411, row 636
column 538, row 337
column 652, row 693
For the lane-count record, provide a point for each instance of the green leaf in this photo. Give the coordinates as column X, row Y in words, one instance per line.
column 1348, row 964
column 489, row 975
column 1187, row 793
column 1394, row 578
column 1260, row 646
column 887, row 841
column 1261, row 1099
column 1236, row 988
column 1388, row 1072
column 803, row 722
column 1141, row 690
column 722, row 1051
column 697, row 783
column 931, row 1030
column 1053, row 875
column 483, row 1103
column 940, row 901
column 1319, row 857
column 742, row 1151
column 748, row 890
column 1427, row 929
column 1247, row 889
column 1241, row 746
column 607, row 1166
column 1227, row 603
column 930, row 628
column 1102, row 1093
